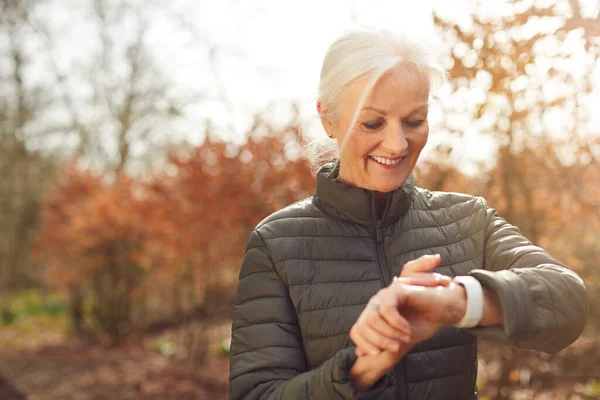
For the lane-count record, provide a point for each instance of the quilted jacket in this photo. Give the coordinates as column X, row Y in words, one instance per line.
column 310, row 269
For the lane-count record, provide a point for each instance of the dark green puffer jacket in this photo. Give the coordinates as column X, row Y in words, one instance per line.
column 310, row 269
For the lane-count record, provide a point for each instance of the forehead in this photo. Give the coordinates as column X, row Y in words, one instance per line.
column 398, row 90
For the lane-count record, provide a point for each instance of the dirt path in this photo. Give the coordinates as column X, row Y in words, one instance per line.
column 77, row 372
column 69, row 369
column 8, row 392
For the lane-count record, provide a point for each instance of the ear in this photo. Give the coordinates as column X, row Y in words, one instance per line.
column 327, row 125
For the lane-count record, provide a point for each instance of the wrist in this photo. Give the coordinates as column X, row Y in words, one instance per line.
column 492, row 312
column 369, row 369
column 456, row 306
column 364, row 373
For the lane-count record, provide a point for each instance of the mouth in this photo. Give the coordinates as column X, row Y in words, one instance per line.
column 387, row 162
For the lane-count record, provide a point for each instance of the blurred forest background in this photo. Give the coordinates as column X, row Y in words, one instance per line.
column 121, row 239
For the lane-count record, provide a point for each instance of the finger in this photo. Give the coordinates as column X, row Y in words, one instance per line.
column 365, row 340
column 380, row 325
column 393, row 318
column 361, row 352
column 377, row 340
column 422, row 264
column 387, row 302
column 428, row 279
column 362, row 344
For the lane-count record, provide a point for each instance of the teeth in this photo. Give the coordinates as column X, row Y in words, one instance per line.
column 386, row 161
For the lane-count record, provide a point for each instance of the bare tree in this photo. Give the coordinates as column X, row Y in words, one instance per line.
column 111, row 106
column 24, row 172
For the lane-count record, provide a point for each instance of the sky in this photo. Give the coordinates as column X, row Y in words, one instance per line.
column 271, row 52
column 268, row 54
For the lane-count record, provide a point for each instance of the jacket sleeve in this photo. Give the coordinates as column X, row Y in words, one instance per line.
column 267, row 358
column 544, row 303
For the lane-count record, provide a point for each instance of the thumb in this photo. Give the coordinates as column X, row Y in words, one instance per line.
column 422, row 264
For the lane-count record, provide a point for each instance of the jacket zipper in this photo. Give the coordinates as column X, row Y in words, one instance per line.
column 384, row 275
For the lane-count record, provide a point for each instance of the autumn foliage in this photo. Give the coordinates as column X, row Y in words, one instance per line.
column 185, row 227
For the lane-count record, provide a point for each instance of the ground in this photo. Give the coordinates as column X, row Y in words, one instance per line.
column 157, row 367
column 65, row 368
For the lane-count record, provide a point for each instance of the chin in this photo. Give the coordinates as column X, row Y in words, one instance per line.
column 389, row 186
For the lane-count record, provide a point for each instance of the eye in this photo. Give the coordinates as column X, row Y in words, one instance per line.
column 372, row 126
column 415, row 123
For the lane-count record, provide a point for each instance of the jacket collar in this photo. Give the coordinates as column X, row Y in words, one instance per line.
column 356, row 204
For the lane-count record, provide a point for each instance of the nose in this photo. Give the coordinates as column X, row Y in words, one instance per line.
column 395, row 140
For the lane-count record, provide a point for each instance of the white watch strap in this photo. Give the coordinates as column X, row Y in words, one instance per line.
column 474, row 312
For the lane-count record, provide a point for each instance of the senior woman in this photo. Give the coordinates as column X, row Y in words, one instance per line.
column 374, row 288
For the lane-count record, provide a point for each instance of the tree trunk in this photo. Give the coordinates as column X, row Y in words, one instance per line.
column 76, row 305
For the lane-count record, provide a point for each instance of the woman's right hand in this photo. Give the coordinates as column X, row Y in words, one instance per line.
column 426, row 309
column 378, row 353
column 381, row 326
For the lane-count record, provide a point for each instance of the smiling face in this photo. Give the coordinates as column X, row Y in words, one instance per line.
column 390, row 132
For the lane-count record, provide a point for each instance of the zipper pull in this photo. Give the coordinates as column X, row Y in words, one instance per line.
column 379, row 234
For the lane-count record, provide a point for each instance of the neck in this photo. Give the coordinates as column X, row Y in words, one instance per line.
column 380, row 197
column 380, row 203
column 355, row 204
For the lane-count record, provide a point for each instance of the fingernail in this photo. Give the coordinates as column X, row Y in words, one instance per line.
column 374, row 352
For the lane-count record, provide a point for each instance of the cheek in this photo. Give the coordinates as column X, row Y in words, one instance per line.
column 364, row 147
column 357, row 147
column 419, row 140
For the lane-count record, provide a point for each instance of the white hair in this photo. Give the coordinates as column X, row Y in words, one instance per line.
column 357, row 54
